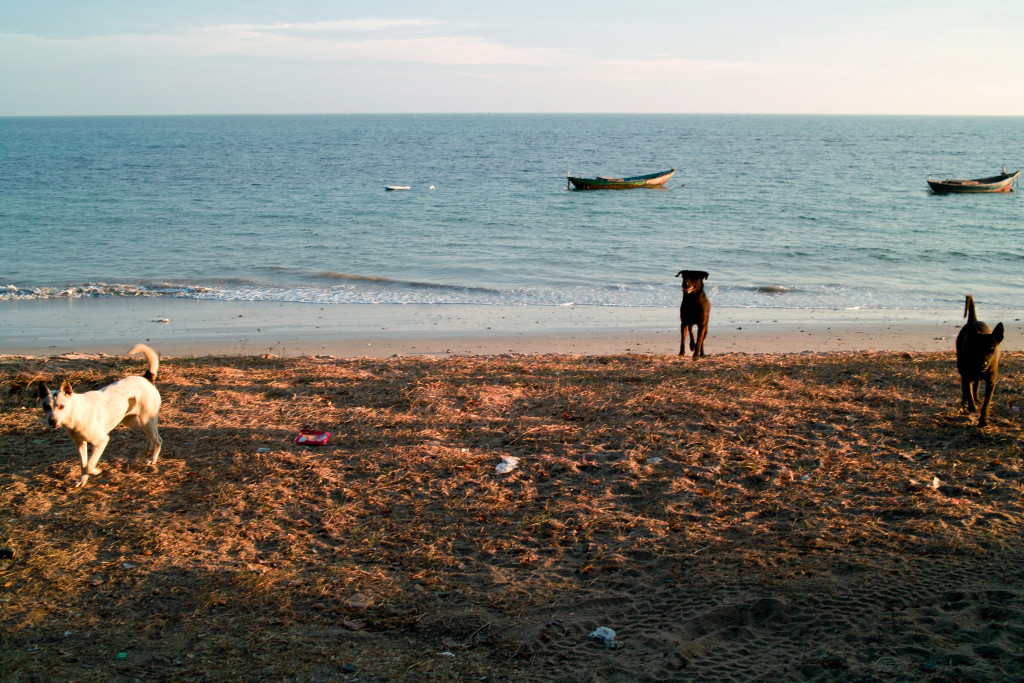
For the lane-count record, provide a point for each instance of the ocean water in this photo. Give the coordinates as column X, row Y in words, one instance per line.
column 794, row 212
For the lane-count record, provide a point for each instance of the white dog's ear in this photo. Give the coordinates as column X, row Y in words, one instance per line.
column 65, row 388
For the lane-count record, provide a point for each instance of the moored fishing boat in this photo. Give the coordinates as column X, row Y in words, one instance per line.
column 604, row 183
column 1003, row 182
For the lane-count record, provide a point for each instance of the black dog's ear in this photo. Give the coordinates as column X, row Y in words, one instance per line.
column 997, row 333
column 693, row 273
column 42, row 391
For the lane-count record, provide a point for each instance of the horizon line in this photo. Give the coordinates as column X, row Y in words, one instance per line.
column 501, row 113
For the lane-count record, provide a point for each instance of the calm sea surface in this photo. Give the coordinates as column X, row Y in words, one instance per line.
column 783, row 211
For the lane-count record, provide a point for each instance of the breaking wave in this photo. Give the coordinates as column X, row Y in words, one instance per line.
column 346, row 288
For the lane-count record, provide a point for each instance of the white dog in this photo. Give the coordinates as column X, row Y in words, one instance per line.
column 90, row 417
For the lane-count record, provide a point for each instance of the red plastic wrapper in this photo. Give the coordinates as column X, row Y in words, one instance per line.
column 311, row 437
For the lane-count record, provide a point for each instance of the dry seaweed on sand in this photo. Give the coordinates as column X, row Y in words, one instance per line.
column 790, row 517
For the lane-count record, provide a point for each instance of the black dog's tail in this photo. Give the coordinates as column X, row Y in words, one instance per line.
column 969, row 309
column 151, row 358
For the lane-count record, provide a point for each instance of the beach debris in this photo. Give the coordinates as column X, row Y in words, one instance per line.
column 6, row 553
column 161, row 320
column 507, row 464
column 360, row 601
column 936, row 483
column 445, row 654
column 607, row 635
column 312, row 437
column 653, row 461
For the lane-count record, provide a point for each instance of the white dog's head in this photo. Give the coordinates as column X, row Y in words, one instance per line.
column 56, row 404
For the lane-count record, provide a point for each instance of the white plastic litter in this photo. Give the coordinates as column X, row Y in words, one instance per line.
column 507, row 464
column 607, row 635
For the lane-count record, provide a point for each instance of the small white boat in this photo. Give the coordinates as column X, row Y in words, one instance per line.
column 396, row 187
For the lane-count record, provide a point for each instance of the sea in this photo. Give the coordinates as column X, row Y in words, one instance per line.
column 783, row 212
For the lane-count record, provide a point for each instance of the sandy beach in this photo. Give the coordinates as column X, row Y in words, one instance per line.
column 808, row 503
column 189, row 327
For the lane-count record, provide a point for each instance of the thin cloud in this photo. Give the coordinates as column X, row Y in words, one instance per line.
column 377, row 41
column 352, row 25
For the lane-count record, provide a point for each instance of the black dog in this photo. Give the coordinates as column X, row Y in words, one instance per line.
column 977, row 358
column 695, row 310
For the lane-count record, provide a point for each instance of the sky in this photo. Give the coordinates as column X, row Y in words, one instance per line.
column 128, row 57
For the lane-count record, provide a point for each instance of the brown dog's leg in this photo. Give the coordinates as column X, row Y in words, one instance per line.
column 990, row 386
column 682, row 340
column 698, row 349
column 968, row 390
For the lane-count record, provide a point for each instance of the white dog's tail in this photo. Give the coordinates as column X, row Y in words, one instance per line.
column 154, row 360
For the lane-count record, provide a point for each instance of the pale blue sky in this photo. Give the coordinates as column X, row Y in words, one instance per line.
column 77, row 57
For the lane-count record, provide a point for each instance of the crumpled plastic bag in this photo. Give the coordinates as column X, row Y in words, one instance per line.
column 507, row 464
column 607, row 635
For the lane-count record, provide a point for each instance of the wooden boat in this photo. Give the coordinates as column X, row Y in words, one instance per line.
column 1003, row 182
column 602, row 183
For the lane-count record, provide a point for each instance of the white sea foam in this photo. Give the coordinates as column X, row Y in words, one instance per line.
column 374, row 291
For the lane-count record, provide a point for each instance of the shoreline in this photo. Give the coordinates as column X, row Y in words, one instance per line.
column 201, row 328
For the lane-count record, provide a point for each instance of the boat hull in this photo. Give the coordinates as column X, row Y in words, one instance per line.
column 600, row 183
column 1004, row 182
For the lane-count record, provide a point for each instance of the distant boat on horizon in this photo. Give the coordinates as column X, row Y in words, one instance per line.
column 606, row 183
column 1003, row 182
column 396, row 187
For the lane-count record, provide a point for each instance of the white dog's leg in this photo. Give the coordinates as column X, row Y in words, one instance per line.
column 90, row 467
column 83, row 453
column 155, row 442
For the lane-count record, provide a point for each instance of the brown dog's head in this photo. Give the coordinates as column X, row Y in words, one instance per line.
column 693, row 280
column 977, row 351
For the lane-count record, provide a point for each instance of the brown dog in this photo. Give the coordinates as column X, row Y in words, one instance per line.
column 694, row 310
column 977, row 358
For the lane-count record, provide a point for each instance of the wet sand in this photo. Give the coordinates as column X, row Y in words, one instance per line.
column 188, row 327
